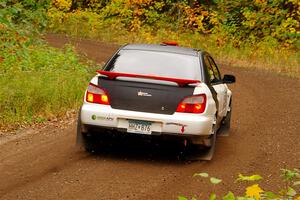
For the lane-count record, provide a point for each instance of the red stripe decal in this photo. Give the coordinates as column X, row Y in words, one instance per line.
column 180, row 82
column 171, row 43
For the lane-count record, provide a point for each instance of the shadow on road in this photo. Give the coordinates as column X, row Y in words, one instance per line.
column 142, row 149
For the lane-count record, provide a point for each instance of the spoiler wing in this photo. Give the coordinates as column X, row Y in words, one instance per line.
column 180, row 82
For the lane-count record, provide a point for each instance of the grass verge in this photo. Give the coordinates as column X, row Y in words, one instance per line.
column 38, row 82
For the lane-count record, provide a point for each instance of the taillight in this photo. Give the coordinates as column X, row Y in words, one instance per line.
column 192, row 104
column 96, row 94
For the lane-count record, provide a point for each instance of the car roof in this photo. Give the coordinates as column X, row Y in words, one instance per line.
column 162, row 48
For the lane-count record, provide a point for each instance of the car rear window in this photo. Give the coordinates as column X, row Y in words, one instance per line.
column 156, row 63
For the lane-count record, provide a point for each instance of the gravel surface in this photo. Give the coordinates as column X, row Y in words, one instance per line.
column 44, row 163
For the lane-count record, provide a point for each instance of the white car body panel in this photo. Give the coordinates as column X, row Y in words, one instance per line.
column 194, row 124
column 221, row 91
column 106, row 116
column 218, row 98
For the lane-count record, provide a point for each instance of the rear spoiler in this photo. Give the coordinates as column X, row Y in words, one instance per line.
column 180, row 82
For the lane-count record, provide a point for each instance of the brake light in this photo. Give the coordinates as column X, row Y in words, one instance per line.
column 192, row 104
column 96, row 94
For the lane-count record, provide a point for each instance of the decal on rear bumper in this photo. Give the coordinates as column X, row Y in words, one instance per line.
column 178, row 124
column 108, row 118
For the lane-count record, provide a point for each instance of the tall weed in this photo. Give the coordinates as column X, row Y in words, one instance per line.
column 37, row 82
column 46, row 83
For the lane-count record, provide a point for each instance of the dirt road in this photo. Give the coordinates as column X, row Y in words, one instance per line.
column 265, row 137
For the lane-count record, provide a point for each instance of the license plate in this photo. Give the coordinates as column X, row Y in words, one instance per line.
column 136, row 126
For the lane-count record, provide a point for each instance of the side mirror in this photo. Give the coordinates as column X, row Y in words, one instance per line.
column 228, row 78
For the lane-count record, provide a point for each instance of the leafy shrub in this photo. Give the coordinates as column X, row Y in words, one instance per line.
column 238, row 22
column 37, row 82
column 45, row 83
column 199, row 18
column 253, row 21
column 291, row 179
column 228, row 29
column 83, row 23
column 63, row 5
column 26, row 14
column 91, row 25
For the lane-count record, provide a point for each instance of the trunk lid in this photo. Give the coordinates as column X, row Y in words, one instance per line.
column 144, row 97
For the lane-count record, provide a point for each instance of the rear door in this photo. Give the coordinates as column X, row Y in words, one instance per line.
column 218, row 85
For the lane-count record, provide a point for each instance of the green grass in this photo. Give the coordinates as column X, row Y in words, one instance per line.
column 37, row 82
column 44, row 83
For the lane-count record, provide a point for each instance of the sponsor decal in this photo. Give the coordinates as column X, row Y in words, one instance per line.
column 108, row 118
column 144, row 94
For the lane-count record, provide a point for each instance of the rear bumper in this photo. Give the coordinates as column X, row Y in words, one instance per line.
column 181, row 124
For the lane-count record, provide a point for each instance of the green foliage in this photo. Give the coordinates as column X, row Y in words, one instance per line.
column 26, row 14
column 37, row 82
column 82, row 23
column 199, row 17
column 249, row 178
column 290, row 175
column 212, row 196
column 257, row 22
column 182, row 198
column 255, row 192
column 260, row 20
column 134, row 14
column 202, row 174
column 229, row 196
column 215, row 181
column 43, row 83
column 238, row 33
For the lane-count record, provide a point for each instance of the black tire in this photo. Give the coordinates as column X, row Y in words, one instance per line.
column 89, row 143
column 84, row 139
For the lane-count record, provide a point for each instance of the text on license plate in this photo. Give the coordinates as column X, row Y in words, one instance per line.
column 137, row 126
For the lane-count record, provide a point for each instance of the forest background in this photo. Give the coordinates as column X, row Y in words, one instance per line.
column 248, row 33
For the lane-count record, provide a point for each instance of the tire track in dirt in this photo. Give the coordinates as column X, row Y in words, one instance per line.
column 264, row 138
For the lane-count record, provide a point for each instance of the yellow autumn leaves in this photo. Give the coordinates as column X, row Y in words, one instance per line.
column 139, row 2
column 254, row 191
column 62, row 4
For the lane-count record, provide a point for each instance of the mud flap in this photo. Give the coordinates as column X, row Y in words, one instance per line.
column 225, row 125
column 203, row 154
column 79, row 137
column 198, row 153
column 223, row 132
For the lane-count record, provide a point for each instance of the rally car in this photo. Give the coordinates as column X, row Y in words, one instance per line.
column 157, row 90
